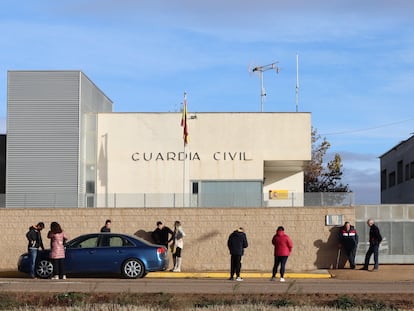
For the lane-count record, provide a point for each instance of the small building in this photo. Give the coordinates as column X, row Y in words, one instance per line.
column 66, row 148
column 397, row 173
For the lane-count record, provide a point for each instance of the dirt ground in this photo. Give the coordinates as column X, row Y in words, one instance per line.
column 384, row 273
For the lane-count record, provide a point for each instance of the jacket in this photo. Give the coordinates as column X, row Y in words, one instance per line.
column 57, row 244
column 375, row 237
column 34, row 238
column 237, row 242
column 348, row 239
column 282, row 243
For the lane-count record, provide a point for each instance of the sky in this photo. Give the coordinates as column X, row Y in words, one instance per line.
column 356, row 62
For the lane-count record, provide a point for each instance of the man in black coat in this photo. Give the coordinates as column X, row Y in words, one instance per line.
column 375, row 239
column 162, row 235
column 236, row 243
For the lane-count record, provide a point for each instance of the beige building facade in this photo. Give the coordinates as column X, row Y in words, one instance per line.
column 232, row 159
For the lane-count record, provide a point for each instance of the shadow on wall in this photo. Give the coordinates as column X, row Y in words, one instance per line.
column 327, row 253
column 145, row 235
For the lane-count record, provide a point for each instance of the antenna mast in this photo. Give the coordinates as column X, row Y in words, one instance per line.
column 260, row 70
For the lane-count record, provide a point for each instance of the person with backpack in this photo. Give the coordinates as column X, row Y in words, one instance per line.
column 35, row 242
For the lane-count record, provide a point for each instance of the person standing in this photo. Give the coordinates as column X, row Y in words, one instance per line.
column 283, row 247
column 178, row 245
column 57, row 252
column 107, row 226
column 34, row 238
column 375, row 239
column 161, row 235
column 236, row 243
column 348, row 241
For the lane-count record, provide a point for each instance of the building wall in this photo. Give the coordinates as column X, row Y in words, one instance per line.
column 45, row 134
column 397, row 174
column 207, row 230
column 144, row 152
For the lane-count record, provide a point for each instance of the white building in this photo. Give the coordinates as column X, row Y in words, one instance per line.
column 65, row 148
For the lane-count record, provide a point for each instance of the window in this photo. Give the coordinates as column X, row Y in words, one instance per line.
column 383, row 180
column 407, row 172
column 412, row 169
column 400, row 177
column 391, row 179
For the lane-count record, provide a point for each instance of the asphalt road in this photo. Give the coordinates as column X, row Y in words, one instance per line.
column 207, row 286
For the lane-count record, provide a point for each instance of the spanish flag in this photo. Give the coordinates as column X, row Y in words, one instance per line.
column 184, row 120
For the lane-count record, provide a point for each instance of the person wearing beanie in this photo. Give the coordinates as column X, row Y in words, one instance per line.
column 283, row 247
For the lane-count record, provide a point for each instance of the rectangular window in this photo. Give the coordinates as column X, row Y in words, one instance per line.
column 407, row 172
column 412, row 170
column 400, row 177
column 391, row 179
column 383, row 180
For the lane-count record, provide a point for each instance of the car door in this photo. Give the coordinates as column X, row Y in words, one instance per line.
column 113, row 251
column 81, row 255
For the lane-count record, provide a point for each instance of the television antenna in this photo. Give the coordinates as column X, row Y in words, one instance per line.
column 260, row 70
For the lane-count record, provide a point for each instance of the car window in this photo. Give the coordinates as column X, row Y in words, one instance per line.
column 114, row 241
column 87, row 243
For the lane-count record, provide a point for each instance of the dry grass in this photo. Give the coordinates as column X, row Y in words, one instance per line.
column 225, row 302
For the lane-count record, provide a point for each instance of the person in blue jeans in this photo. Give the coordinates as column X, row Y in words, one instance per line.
column 34, row 238
column 375, row 239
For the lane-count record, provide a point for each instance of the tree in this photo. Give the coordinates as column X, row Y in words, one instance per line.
column 319, row 178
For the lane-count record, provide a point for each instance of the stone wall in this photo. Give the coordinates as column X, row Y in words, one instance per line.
column 207, row 230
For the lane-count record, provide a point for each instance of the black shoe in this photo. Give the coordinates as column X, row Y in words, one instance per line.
column 363, row 268
column 352, row 267
column 231, row 279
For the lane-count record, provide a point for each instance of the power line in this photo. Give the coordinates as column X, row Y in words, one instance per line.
column 366, row 129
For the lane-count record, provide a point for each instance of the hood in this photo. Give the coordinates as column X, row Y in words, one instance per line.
column 280, row 232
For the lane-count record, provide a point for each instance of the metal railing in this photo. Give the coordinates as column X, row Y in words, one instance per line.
column 173, row 200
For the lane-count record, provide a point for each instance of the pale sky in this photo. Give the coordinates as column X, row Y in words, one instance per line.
column 356, row 62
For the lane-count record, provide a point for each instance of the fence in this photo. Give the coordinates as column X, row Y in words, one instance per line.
column 172, row 200
column 396, row 224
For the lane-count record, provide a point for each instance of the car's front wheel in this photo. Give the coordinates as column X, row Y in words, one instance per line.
column 44, row 269
column 133, row 268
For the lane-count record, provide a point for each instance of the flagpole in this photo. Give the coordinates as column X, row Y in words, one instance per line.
column 297, row 82
column 184, row 125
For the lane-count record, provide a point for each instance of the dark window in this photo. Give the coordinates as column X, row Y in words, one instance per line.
column 195, row 187
column 412, row 170
column 383, row 180
column 407, row 172
column 391, row 179
column 400, row 177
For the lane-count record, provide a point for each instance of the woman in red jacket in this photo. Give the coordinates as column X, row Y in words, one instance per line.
column 283, row 246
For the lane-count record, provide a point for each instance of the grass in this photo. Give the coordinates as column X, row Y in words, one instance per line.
column 293, row 299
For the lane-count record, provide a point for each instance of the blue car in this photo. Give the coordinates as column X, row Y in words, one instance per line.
column 103, row 253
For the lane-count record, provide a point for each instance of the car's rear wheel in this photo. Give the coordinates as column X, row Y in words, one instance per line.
column 133, row 268
column 44, row 269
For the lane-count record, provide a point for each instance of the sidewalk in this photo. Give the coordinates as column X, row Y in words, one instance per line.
column 317, row 274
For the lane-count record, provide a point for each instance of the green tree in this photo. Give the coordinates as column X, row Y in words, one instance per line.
column 320, row 178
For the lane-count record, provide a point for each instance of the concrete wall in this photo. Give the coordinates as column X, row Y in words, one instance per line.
column 206, row 229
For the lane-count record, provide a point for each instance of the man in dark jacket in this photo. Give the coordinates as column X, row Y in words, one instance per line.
column 236, row 243
column 35, row 242
column 375, row 239
column 348, row 241
column 162, row 235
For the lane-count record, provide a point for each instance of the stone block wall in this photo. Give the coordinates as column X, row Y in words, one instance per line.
column 207, row 231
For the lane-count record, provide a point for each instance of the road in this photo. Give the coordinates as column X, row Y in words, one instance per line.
column 207, row 286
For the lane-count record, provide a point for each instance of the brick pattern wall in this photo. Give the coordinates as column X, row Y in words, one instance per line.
column 207, row 230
